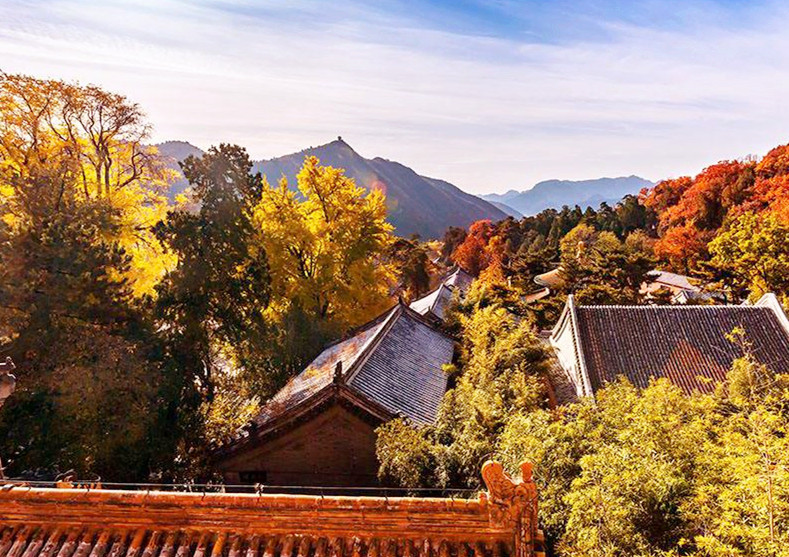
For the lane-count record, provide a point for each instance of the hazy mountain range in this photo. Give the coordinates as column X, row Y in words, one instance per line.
column 416, row 204
column 557, row 193
column 421, row 205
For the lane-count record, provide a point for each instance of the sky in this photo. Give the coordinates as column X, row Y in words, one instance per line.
column 490, row 96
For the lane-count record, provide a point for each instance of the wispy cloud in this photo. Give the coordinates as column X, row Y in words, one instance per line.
column 492, row 96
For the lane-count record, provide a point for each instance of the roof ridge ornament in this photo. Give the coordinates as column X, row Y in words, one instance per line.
column 513, row 504
column 339, row 378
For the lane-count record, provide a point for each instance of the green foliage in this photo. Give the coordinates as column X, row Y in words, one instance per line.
column 741, row 503
column 755, row 249
column 413, row 266
column 500, row 373
column 212, row 303
column 602, row 269
column 657, row 472
column 97, row 393
column 144, row 335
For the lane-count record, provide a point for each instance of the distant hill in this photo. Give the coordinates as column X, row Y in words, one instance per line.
column 175, row 152
column 557, row 193
column 416, row 204
column 506, row 208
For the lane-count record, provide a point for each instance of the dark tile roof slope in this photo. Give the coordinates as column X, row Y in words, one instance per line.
column 686, row 344
column 459, row 279
column 437, row 301
column 404, row 373
column 672, row 279
column 320, row 372
column 394, row 361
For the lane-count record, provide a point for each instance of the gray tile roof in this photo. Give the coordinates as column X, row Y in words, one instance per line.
column 686, row 344
column 672, row 279
column 459, row 279
column 437, row 301
column 320, row 372
column 404, row 373
column 394, row 361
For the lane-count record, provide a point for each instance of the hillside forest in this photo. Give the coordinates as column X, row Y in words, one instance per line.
column 146, row 331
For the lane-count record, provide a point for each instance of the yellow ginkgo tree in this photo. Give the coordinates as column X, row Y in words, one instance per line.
column 325, row 244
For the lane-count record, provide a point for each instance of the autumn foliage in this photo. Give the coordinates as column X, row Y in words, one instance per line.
column 698, row 216
column 473, row 254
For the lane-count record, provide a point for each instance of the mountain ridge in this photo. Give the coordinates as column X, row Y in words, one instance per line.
column 416, row 204
column 557, row 193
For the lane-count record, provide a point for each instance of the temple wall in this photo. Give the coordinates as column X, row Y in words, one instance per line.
column 334, row 448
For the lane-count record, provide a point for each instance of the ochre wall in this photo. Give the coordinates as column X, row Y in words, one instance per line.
column 335, row 448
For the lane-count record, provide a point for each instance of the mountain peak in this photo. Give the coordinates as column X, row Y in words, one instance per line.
column 341, row 142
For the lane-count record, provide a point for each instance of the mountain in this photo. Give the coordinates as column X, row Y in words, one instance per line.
column 557, row 193
column 416, row 204
column 175, row 152
column 506, row 208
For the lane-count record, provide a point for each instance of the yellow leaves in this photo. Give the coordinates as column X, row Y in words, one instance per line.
column 91, row 144
column 325, row 243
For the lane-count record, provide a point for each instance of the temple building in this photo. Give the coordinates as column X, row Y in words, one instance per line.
column 681, row 289
column 433, row 304
column 319, row 430
column 689, row 345
column 89, row 522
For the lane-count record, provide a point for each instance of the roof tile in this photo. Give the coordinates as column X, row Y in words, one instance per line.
column 686, row 344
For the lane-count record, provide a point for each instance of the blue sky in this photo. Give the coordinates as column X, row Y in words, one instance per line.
column 489, row 95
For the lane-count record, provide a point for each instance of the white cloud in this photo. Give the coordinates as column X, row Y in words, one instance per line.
column 485, row 113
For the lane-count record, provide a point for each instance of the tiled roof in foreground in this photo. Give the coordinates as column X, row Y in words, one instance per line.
column 109, row 523
column 689, row 345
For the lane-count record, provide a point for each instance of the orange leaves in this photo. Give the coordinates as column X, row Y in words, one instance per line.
column 474, row 254
column 710, row 194
column 774, row 163
column 666, row 194
column 691, row 211
column 682, row 246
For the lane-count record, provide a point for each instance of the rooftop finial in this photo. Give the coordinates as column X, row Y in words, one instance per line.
column 514, row 503
column 338, row 378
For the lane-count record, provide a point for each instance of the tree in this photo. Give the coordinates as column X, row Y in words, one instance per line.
column 500, row 373
column 94, row 142
column 741, row 503
column 473, row 255
column 601, row 269
column 684, row 247
column 326, row 246
column 77, row 190
column 453, row 237
column 99, row 394
column 413, row 266
column 213, row 302
column 755, row 249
